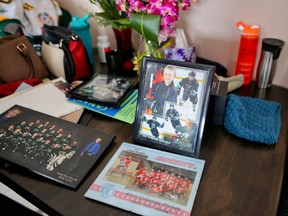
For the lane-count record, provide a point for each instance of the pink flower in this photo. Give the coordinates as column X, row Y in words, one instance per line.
column 167, row 9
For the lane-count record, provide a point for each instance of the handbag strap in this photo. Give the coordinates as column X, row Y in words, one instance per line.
column 55, row 34
column 22, row 48
column 69, row 65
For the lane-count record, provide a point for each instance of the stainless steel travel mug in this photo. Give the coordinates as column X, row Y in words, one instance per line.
column 271, row 49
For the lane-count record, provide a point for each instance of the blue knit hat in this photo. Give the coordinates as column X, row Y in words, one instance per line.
column 253, row 119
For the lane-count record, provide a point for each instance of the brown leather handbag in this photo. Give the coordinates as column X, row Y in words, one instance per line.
column 19, row 60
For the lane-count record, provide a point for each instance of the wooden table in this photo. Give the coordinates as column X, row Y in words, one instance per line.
column 239, row 178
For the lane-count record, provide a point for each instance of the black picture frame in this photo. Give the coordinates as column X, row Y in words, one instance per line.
column 107, row 89
column 154, row 99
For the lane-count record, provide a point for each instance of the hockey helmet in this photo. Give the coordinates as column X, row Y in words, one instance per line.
column 192, row 73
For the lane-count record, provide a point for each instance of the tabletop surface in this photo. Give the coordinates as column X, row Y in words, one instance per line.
column 239, row 177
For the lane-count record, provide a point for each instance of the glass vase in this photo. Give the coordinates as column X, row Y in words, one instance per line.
column 124, row 43
column 146, row 48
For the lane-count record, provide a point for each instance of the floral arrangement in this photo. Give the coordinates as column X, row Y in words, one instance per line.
column 160, row 12
column 154, row 19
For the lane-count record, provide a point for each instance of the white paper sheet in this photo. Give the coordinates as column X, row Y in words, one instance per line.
column 45, row 98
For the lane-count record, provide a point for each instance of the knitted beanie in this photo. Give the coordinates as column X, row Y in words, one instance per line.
column 253, row 119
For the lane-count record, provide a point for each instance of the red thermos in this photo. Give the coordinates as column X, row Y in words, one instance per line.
column 247, row 51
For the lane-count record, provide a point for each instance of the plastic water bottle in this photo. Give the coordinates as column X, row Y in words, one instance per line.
column 81, row 27
column 247, row 51
column 103, row 46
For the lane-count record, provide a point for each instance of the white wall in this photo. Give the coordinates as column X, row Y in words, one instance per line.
column 211, row 25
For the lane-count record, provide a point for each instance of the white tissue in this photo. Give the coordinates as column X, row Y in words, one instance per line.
column 180, row 39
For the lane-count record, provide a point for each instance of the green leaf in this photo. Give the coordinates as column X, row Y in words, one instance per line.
column 147, row 25
column 109, row 16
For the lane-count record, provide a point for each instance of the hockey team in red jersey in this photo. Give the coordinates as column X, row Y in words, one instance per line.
column 161, row 182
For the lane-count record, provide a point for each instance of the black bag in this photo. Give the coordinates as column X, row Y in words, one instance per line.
column 64, row 54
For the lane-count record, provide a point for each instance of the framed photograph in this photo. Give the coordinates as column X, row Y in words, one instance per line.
column 53, row 148
column 172, row 105
column 104, row 88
